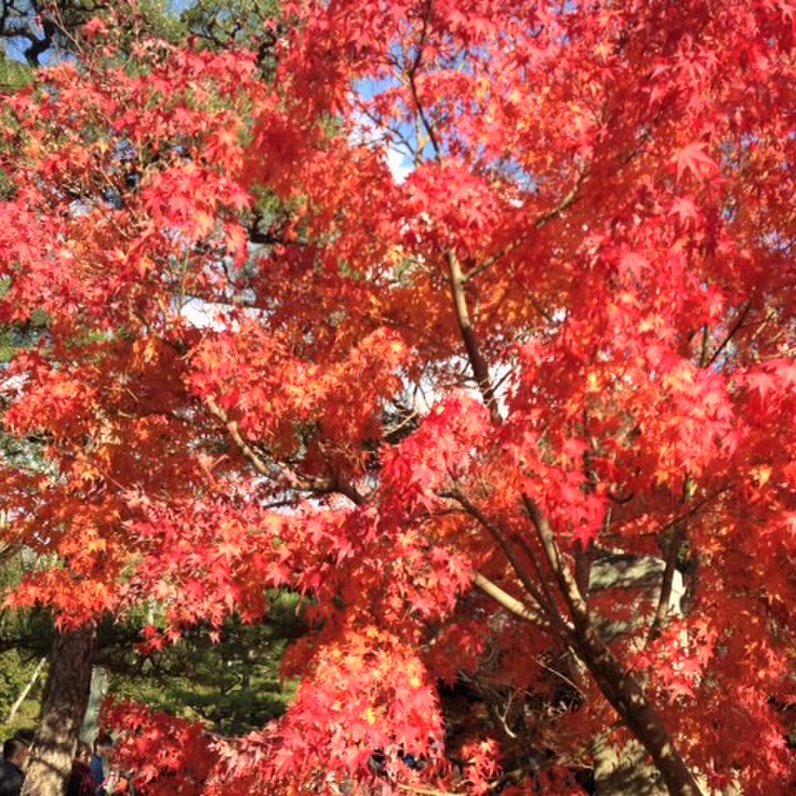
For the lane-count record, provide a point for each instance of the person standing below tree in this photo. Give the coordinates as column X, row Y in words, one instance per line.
column 81, row 780
column 12, row 774
column 103, row 747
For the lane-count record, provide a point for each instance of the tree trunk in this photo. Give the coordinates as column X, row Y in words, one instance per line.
column 62, row 710
column 622, row 768
column 626, row 696
column 618, row 686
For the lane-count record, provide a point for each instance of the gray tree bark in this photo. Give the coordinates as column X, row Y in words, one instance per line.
column 97, row 693
column 63, row 707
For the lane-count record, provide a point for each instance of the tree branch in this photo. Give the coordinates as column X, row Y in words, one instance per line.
column 511, row 604
column 730, row 334
column 556, row 621
column 618, row 685
column 542, row 221
column 411, row 75
column 457, row 279
column 569, row 588
column 672, row 550
column 477, row 361
column 277, row 469
column 426, row 791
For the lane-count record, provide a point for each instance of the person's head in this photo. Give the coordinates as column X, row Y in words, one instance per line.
column 103, row 745
column 16, row 752
column 83, row 753
column 27, row 736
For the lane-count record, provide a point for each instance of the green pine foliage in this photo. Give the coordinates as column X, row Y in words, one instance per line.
column 232, row 683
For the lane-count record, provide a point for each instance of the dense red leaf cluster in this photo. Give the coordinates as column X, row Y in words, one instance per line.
column 427, row 403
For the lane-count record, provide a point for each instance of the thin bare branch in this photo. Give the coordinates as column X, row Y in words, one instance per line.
column 560, row 675
column 411, row 77
column 695, row 508
column 542, row 221
column 730, row 334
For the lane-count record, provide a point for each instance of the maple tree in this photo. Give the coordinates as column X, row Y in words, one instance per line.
column 428, row 401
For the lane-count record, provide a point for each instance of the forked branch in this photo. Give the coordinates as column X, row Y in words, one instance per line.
column 274, row 469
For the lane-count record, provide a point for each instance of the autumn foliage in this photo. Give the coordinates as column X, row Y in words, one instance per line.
column 427, row 398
